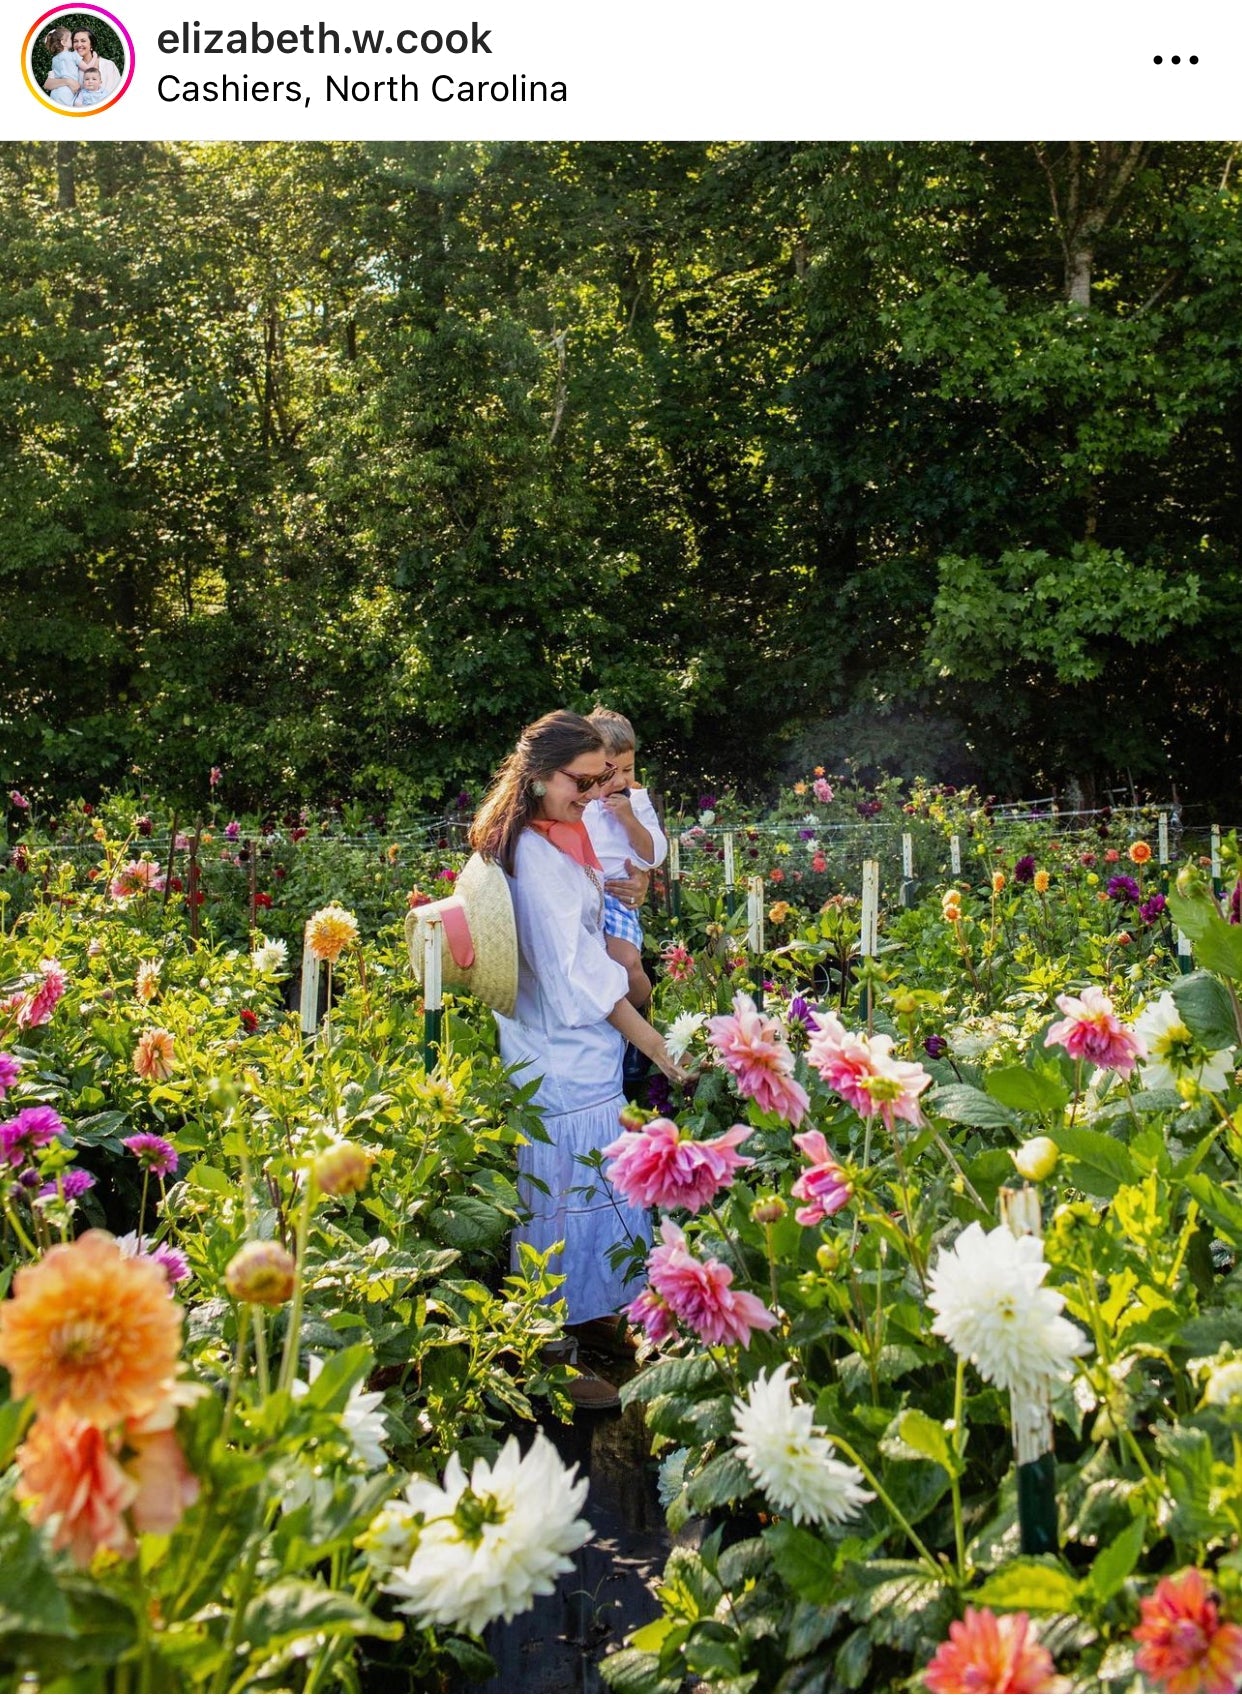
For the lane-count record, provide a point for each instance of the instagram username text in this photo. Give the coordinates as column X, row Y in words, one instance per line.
column 195, row 38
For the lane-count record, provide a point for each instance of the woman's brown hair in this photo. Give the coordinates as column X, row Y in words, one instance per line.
column 509, row 806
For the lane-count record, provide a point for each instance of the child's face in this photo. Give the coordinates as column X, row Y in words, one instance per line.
column 624, row 776
column 92, row 77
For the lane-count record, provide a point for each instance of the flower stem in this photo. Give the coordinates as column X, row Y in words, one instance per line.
column 955, row 1481
column 852, row 1454
column 289, row 1361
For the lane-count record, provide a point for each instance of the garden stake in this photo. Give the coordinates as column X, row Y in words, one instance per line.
column 1030, row 1412
column 171, row 865
column 754, row 932
column 1163, row 826
column 192, row 882
column 1218, row 885
column 906, row 896
column 433, row 1009
column 867, row 936
column 955, row 855
column 309, row 1005
column 674, row 875
column 248, row 846
column 729, row 872
column 1185, row 958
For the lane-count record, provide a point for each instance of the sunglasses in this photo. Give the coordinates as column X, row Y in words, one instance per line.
column 586, row 785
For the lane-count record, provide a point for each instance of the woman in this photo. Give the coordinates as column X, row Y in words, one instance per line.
column 573, row 1016
column 88, row 54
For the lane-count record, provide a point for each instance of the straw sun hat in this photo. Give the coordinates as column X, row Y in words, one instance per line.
column 478, row 935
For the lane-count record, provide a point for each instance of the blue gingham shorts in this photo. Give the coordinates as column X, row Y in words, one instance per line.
column 621, row 921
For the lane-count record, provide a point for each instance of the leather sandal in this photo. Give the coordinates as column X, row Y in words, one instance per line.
column 588, row 1392
column 607, row 1337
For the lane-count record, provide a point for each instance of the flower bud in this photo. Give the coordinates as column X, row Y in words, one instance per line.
column 1036, row 1159
column 261, row 1271
column 343, row 1170
column 828, row 1257
column 768, row 1210
column 632, row 1118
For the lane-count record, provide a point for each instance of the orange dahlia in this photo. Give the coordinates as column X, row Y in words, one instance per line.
column 90, row 1333
column 68, row 1470
column 1184, row 1643
column 1140, row 852
column 153, row 1054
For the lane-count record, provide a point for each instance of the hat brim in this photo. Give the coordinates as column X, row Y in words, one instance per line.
column 492, row 977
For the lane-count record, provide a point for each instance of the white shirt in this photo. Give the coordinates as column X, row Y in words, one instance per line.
column 567, row 982
column 609, row 839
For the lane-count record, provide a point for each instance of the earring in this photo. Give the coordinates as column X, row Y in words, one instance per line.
column 538, row 788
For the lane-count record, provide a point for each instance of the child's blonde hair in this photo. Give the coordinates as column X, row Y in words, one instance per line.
column 57, row 37
column 615, row 728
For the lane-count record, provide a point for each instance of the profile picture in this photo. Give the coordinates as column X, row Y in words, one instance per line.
column 78, row 61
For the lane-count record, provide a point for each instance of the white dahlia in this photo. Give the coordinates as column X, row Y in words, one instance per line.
column 791, row 1462
column 682, row 1031
column 272, row 955
column 364, row 1425
column 491, row 1543
column 988, row 1295
column 1173, row 1054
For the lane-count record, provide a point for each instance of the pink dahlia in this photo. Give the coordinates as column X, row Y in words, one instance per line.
column 701, row 1294
column 678, row 963
column 1186, row 1646
column 823, row 790
column 751, row 1047
column 10, row 1071
column 31, row 1129
column 36, row 1006
column 823, row 1186
column 135, row 878
column 988, row 1652
column 658, row 1167
column 1092, row 1032
column 862, row 1070
column 653, row 1315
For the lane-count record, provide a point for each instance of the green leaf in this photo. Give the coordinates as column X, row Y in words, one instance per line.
column 1042, row 1586
column 1027, row 1090
column 674, row 1377
column 965, row 1105
column 635, row 1670
column 1100, row 1162
column 296, row 1608
column 928, row 1438
column 1204, row 1004
column 1224, row 1211
column 723, row 1480
column 1114, row 1564
column 468, row 1222
column 1217, row 944
column 804, row 1561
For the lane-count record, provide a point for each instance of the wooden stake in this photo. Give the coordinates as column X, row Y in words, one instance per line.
column 870, row 907
column 674, row 875
column 308, row 1006
column 955, row 855
column 1162, row 827
column 1031, row 1413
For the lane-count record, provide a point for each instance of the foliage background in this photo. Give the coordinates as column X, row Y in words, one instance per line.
column 331, row 464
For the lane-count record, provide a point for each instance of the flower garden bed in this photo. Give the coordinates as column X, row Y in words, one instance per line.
column 945, row 1329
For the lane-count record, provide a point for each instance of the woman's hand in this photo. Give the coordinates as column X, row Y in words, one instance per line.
column 630, row 891
column 673, row 1070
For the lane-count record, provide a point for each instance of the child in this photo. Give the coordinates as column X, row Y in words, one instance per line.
column 624, row 832
column 92, row 90
column 66, row 67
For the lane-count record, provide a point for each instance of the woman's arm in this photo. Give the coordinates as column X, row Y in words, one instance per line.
column 647, row 1040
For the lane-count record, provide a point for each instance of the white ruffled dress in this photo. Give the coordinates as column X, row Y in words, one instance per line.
column 559, row 1033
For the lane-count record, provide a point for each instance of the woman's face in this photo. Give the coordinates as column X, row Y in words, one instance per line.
column 563, row 800
column 82, row 46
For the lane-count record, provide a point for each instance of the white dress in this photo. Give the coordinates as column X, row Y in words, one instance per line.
column 559, row 1033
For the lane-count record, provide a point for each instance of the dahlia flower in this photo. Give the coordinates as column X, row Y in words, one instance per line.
column 365, row 1426
column 682, row 1031
column 701, row 1294
column 1172, row 1053
column 271, row 956
column 1185, row 1645
column 147, row 980
column 330, row 932
column 862, row 1070
column 153, row 1154
column 261, row 1271
column 10, row 1072
column 136, row 878
column 823, row 1186
column 153, row 1054
column 789, row 1459
column 492, row 1542
column 28, row 1130
column 988, row 1652
column 90, row 1334
column 752, row 1049
column 992, row 1307
column 659, row 1167
column 1092, row 1032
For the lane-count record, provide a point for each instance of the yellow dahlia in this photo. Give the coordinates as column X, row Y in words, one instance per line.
column 331, row 931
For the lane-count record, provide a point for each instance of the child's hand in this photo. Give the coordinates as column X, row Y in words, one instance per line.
column 619, row 805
